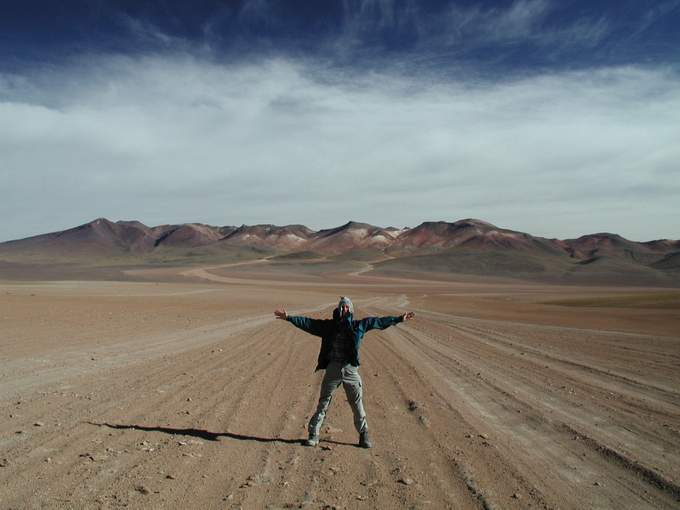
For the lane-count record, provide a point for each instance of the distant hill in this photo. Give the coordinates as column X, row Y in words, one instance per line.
column 189, row 234
column 593, row 246
column 470, row 234
column 467, row 246
column 351, row 236
column 287, row 238
column 99, row 237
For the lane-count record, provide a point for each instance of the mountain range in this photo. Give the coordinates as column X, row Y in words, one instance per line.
column 463, row 246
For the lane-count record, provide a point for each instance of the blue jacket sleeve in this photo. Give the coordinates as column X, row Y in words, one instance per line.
column 314, row 327
column 370, row 323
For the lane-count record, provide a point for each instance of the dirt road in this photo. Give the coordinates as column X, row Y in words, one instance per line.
column 169, row 395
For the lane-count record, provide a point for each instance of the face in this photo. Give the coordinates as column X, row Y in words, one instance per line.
column 344, row 309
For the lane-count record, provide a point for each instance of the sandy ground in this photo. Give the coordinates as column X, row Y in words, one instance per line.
column 190, row 395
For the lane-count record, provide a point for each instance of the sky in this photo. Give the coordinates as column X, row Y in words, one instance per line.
column 554, row 117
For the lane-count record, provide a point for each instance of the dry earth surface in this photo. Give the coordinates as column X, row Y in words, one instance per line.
column 180, row 390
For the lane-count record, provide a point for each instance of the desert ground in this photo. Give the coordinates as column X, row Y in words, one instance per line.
column 178, row 389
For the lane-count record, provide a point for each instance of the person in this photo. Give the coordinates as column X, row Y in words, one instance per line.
column 341, row 337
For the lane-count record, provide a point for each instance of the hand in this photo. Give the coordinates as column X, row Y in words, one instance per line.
column 281, row 314
column 408, row 316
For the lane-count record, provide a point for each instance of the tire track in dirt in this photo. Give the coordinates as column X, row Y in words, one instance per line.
column 159, row 378
column 612, row 410
column 552, row 340
column 610, row 396
column 513, row 341
column 476, row 464
column 656, row 403
column 80, row 433
column 204, row 273
column 68, row 363
column 264, row 391
column 490, row 402
column 159, row 373
column 407, row 400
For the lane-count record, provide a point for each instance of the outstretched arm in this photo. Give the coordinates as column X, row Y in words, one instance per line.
column 370, row 323
column 311, row 326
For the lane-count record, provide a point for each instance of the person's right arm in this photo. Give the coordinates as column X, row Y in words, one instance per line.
column 312, row 326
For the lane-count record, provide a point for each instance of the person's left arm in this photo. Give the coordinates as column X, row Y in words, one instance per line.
column 370, row 323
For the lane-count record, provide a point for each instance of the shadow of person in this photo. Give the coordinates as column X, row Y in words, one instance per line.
column 342, row 443
column 203, row 434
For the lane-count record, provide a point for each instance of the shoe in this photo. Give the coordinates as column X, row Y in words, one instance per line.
column 364, row 440
column 312, row 441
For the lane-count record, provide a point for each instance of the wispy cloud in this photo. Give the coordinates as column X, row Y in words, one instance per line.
column 518, row 21
column 473, row 38
column 655, row 13
column 523, row 22
column 174, row 139
column 145, row 31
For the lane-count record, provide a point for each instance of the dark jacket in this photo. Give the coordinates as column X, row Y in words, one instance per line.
column 327, row 329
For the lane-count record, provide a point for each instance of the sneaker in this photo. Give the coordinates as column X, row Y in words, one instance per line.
column 312, row 441
column 364, row 440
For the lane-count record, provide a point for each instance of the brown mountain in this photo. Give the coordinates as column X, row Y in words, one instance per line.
column 99, row 237
column 662, row 245
column 104, row 238
column 471, row 234
column 351, row 236
column 670, row 262
column 594, row 246
column 190, row 235
column 287, row 238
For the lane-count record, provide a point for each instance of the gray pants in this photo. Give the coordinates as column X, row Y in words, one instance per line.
column 348, row 376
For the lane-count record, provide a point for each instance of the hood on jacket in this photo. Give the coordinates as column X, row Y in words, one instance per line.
column 344, row 300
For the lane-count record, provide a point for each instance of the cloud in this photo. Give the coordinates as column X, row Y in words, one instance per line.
column 145, row 31
column 519, row 20
column 661, row 10
column 176, row 139
column 383, row 34
column 530, row 22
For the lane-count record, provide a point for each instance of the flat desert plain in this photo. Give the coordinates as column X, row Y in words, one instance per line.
column 179, row 389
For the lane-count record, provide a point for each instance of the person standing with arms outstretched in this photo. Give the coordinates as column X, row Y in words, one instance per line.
column 341, row 337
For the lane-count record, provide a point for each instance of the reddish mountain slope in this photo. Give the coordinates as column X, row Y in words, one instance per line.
column 98, row 237
column 594, row 246
column 471, row 234
column 286, row 238
column 189, row 235
column 351, row 236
